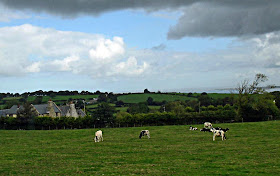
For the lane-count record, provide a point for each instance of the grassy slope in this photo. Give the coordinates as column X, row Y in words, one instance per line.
column 136, row 98
column 251, row 149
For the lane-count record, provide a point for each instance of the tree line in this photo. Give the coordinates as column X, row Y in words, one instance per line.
column 251, row 103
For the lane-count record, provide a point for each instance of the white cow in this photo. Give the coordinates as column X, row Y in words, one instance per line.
column 208, row 125
column 144, row 133
column 98, row 136
column 218, row 133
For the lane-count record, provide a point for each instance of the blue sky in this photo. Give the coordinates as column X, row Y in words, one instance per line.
column 126, row 47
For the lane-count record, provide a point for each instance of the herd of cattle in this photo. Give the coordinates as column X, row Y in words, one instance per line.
column 207, row 127
column 216, row 131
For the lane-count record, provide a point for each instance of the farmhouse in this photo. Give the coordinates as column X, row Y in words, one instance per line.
column 50, row 109
column 71, row 111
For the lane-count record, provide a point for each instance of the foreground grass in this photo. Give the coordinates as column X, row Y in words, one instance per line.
column 250, row 149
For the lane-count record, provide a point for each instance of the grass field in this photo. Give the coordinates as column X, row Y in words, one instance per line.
column 136, row 98
column 250, row 149
column 64, row 98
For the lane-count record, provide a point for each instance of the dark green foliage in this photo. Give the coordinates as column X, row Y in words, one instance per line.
column 203, row 93
column 138, row 108
column 38, row 100
column 52, row 95
column 276, row 95
column 253, row 103
column 25, row 116
column 79, row 104
column 102, row 98
column 119, row 103
column 103, row 115
column 146, row 91
column 205, row 100
column 22, row 100
column 150, row 101
column 112, row 97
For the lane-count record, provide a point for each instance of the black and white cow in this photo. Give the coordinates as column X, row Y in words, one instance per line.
column 193, row 128
column 218, row 128
column 208, row 125
column 144, row 133
column 205, row 129
column 218, row 133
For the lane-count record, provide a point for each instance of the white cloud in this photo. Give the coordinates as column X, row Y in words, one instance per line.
column 34, row 67
column 67, row 64
column 107, row 49
column 32, row 49
column 131, row 67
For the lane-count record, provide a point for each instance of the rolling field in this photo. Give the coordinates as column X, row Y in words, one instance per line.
column 136, row 98
column 250, row 149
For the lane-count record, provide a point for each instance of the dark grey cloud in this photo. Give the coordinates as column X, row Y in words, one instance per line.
column 202, row 18
column 93, row 7
column 207, row 20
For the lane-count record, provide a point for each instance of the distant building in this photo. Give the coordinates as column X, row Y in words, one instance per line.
column 94, row 100
column 3, row 113
column 71, row 111
column 50, row 109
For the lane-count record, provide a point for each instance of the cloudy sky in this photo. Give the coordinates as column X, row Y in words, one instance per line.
column 127, row 46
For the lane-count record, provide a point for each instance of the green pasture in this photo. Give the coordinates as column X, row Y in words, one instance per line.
column 122, row 109
column 11, row 98
column 250, row 149
column 2, row 106
column 136, row 98
column 220, row 95
column 62, row 98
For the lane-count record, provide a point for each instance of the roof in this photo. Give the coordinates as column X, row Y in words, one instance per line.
column 64, row 110
column 43, row 108
column 14, row 109
column 3, row 112
column 81, row 113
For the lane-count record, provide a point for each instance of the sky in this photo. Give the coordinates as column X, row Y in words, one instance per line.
column 128, row 46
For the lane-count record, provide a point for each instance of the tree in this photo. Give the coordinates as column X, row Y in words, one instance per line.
column 265, row 108
column 245, row 100
column 146, row 91
column 138, row 108
column 104, row 115
column 205, row 100
column 150, row 101
column 190, row 94
column 25, row 115
column 52, row 95
column 38, row 100
column 102, row 98
column 119, row 103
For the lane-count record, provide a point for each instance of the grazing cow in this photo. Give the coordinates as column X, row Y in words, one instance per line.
column 218, row 133
column 98, row 136
column 205, row 129
column 208, row 125
column 144, row 133
column 193, row 128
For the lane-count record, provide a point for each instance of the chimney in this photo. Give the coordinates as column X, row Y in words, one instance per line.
column 73, row 111
column 50, row 109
